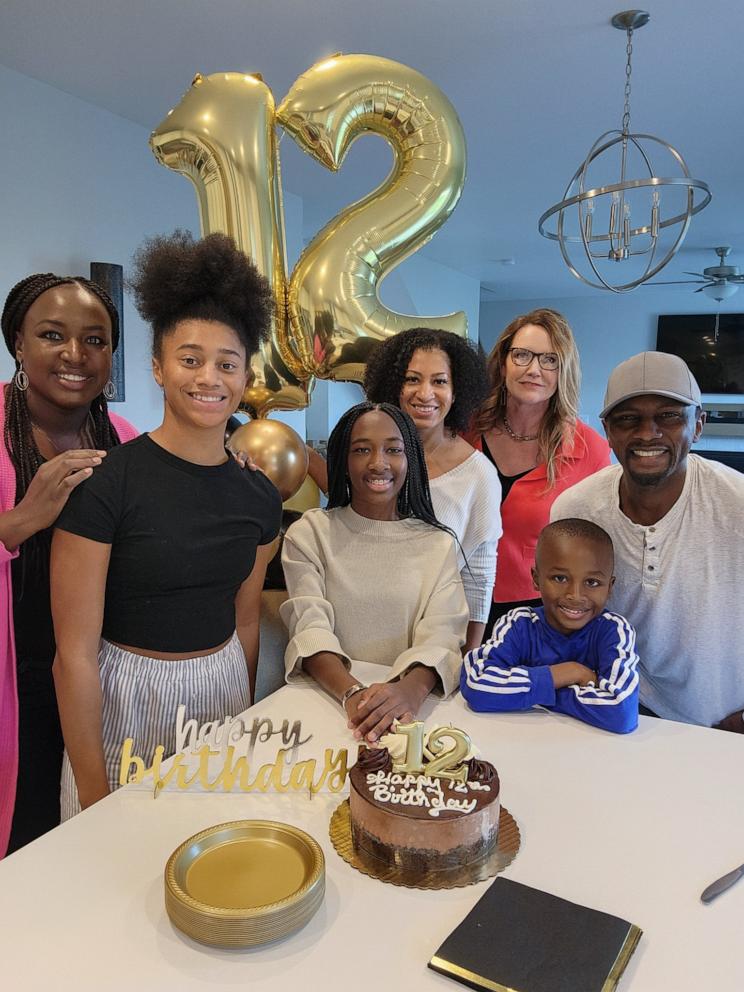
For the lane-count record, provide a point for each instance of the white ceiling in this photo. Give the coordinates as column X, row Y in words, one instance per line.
column 534, row 82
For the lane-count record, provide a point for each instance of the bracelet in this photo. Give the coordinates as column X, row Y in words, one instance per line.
column 351, row 691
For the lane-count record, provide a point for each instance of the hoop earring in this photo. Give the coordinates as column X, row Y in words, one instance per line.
column 109, row 390
column 20, row 379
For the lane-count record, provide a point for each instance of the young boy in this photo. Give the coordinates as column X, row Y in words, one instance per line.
column 570, row 655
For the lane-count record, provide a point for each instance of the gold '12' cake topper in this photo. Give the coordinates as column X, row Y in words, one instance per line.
column 428, row 755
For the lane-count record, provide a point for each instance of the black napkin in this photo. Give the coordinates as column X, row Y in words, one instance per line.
column 520, row 939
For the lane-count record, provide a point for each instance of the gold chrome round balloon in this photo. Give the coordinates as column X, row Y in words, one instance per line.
column 278, row 451
column 221, row 137
column 334, row 307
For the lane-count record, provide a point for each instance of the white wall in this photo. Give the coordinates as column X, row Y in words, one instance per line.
column 81, row 184
column 423, row 286
column 608, row 329
column 418, row 286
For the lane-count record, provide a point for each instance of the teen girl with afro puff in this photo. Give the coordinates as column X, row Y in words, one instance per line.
column 158, row 559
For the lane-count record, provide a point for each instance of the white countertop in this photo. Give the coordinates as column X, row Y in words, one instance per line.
column 636, row 826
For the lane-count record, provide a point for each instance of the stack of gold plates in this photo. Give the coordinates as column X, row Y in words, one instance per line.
column 244, row 883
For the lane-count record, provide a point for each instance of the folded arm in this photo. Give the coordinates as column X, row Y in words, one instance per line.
column 612, row 702
column 494, row 680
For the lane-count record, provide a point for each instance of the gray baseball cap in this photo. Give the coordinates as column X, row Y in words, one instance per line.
column 651, row 373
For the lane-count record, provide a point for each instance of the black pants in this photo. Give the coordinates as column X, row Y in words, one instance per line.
column 40, row 748
column 645, row 711
column 499, row 609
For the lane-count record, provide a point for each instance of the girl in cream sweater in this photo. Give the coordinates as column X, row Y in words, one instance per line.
column 374, row 577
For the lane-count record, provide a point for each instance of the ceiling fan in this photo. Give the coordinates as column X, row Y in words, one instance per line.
column 718, row 281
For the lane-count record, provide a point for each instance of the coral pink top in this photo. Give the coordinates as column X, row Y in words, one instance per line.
column 526, row 510
column 8, row 695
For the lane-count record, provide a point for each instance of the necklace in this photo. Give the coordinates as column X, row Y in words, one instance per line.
column 83, row 437
column 515, row 436
column 432, row 465
column 432, row 451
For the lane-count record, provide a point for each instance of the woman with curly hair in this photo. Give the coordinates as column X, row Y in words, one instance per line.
column 529, row 429
column 158, row 561
column 374, row 577
column 439, row 379
column 62, row 332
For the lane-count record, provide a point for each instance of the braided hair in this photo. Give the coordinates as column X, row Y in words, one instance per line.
column 414, row 498
column 17, row 429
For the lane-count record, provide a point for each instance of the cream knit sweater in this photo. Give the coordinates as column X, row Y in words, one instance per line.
column 379, row 591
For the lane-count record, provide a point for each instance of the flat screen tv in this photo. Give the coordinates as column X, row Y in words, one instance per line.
column 717, row 362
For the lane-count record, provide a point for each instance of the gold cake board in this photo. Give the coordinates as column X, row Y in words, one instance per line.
column 499, row 858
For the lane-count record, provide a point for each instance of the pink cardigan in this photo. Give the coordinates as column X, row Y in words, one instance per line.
column 8, row 694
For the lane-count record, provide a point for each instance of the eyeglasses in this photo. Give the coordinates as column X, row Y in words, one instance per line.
column 523, row 356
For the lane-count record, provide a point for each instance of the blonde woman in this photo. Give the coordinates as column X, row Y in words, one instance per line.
column 528, row 427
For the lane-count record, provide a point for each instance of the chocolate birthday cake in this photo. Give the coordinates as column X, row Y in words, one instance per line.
column 421, row 822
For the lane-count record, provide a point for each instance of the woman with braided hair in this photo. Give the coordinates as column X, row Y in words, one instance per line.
column 374, row 577
column 62, row 332
column 158, row 562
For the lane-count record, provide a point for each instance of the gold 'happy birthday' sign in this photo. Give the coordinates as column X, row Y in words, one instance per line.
column 206, row 758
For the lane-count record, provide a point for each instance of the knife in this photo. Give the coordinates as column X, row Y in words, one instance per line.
column 721, row 884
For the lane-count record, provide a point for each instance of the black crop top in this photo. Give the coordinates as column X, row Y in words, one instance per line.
column 183, row 539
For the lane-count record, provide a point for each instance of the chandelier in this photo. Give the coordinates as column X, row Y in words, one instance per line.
column 626, row 218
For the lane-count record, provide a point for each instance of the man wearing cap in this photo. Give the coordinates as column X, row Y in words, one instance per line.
column 677, row 522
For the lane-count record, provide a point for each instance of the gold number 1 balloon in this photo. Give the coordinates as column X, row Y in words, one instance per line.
column 221, row 136
column 334, row 307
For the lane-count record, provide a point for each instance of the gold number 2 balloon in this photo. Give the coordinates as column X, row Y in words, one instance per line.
column 334, row 307
column 221, row 136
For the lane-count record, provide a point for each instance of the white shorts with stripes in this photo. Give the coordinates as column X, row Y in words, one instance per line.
column 141, row 696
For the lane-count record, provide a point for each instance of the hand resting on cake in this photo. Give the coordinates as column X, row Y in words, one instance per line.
column 373, row 711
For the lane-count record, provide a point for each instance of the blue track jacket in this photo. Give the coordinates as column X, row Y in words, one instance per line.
column 511, row 670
